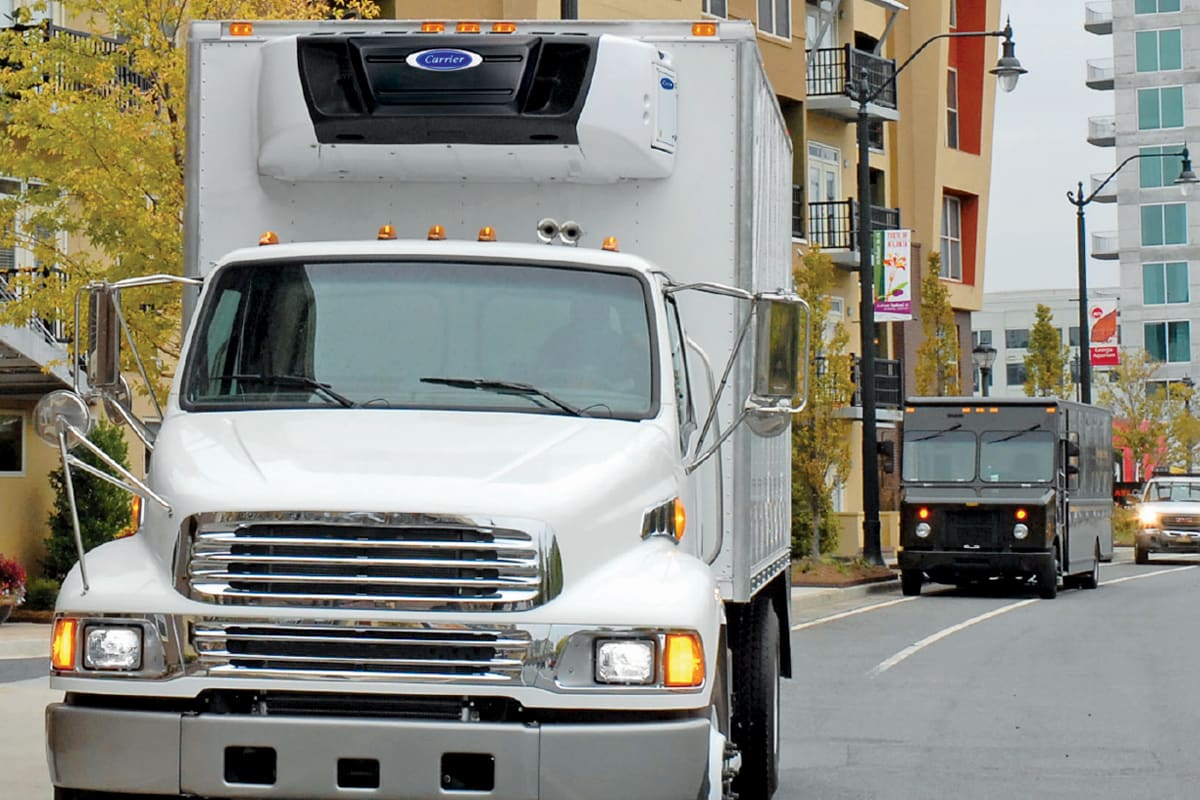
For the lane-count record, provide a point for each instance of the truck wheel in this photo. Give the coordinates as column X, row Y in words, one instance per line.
column 756, row 701
column 1092, row 579
column 1047, row 579
column 910, row 582
column 1140, row 555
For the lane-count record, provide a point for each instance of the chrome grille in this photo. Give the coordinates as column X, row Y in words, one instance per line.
column 408, row 561
column 1181, row 522
column 329, row 650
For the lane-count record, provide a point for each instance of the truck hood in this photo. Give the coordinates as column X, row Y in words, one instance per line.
column 590, row 479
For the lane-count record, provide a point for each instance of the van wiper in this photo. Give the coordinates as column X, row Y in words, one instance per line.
column 302, row 381
column 936, row 434
column 506, row 387
column 1014, row 435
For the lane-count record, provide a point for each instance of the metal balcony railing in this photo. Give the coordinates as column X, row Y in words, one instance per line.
column 889, row 383
column 52, row 332
column 101, row 46
column 1098, row 17
column 832, row 69
column 832, row 225
column 798, row 230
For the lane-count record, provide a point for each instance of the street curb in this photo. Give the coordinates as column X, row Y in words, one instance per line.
column 814, row 599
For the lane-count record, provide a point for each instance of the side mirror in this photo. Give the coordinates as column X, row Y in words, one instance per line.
column 58, row 410
column 104, row 347
column 1072, row 450
column 1072, row 469
column 777, row 355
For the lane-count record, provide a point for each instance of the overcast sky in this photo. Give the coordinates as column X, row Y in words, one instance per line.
column 1041, row 151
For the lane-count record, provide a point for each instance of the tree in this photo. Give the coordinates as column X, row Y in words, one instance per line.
column 1183, row 427
column 1047, row 366
column 820, row 438
column 104, row 509
column 937, row 356
column 1140, row 412
column 94, row 132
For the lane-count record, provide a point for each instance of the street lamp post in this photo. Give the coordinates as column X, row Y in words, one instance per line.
column 1007, row 71
column 1185, row 181
column 984, row 356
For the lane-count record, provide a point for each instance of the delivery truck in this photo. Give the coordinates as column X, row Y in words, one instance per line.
column 474, row 476
column 1018, row 489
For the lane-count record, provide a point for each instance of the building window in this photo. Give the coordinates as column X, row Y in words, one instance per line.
column 1014, row 374
column 953, row 13
column 716, row 8
column 1073, row 336
column 12, row 444
column 1155, row 6
column 1164, row 283
column 1159, row 51
column 775, row 17
column 1164, row 223
column 1155, row 170
column 1160, row 107
column 952, row 109
column 1169, row 341
column 951, row 238
column 1016, row 338
column 982, row 338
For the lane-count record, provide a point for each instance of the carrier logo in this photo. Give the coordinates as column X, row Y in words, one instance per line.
column 666, row 83
column 444, row 60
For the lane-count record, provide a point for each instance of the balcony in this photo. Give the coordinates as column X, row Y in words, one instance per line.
column 831, row 225
column 33, row 357
column 830, row 72
column 1109, row 194
column 1100, row 73
column 1106, row 246
column 94, row 44
column 1098, row 17
column 1102, row 131
column 889, row 391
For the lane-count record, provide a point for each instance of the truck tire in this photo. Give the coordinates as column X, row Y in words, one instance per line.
column 1091, row 580
column 910, row 582
column 756, row 700
column 1047, row 579
column 1140, row 555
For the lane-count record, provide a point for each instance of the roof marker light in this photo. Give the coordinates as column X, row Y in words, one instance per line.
column 268, row 237
column 467, row 27
column 386, row 232
column 704, row 29
column 611, row 244
column 433, row 27
column 436, row 234
column 487, row 234
column 504, row 27
column 241, row 29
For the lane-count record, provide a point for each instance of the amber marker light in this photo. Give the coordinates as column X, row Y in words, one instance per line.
column 610, row 244
column 704, row 29
column 683, row 660
column 433, row 27
column 487, row 234
column 680, row 519
column 63, row 643
column 436, row 234
column 387, row 232
column 1022, row 514
column 504, row 27
column 467, row 27
column 241, row 29
column 922, row 513
column 268, row 237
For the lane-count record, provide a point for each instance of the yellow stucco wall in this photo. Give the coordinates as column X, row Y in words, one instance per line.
column 25, row 498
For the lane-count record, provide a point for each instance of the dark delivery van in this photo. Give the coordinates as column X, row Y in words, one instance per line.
column 1010, row 488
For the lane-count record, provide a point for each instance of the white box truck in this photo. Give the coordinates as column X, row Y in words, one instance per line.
column 474, row 477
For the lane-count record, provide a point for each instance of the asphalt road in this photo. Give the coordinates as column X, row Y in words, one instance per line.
column 982, row 694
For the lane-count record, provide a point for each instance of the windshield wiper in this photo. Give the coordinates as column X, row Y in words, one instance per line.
column 936, row 434
column 1014, row 435
column 506, row 387
column 301, row 381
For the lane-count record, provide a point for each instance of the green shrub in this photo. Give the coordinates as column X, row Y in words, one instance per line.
column 41, row 594
column 1125, row 525
column 104, row 509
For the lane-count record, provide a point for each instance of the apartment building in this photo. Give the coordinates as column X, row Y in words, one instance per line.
column 1154, row 79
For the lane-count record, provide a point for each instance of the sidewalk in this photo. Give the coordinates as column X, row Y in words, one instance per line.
column 24, row 640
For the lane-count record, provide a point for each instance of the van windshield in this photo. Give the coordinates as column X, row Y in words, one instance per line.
column 422, row 334
column 1016, row 456
column 935, row 456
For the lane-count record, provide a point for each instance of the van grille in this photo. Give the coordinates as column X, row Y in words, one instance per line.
column 329, row 650
column 367, row 560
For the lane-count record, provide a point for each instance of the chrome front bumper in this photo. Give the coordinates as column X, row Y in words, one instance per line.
column 328, row 758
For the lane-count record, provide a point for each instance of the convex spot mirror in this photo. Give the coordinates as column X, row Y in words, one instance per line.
column 58, row 410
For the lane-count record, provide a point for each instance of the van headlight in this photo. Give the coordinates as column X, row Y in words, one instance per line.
column 923, row 530
column 1020, row 530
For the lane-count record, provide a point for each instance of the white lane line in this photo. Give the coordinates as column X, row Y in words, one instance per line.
column 1141, row 575
column 887, row 664
column 835, row 617
column 916, row 647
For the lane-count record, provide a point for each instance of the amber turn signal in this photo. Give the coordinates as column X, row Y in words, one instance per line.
column 64, row 643
column 683, row 660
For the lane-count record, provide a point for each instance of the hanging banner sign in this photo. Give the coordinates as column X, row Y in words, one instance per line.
column 891, row 255
column 1102, row 334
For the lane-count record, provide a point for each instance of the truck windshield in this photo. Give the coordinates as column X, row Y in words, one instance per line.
column 1173, row 491
column 1016, row 456
column 935, row 456
column 424, row 335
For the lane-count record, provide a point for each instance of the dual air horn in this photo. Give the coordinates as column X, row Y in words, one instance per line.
column 568, row 232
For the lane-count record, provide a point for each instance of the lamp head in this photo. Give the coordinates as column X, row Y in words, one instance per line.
column 1187, row 179
column 1008, row 69
column 984, row 356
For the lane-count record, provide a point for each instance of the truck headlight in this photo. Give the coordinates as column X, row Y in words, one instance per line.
column 628, row 661
column 1020, row 530
column 1148, row 518
column 923, row 530
column 112, row 647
